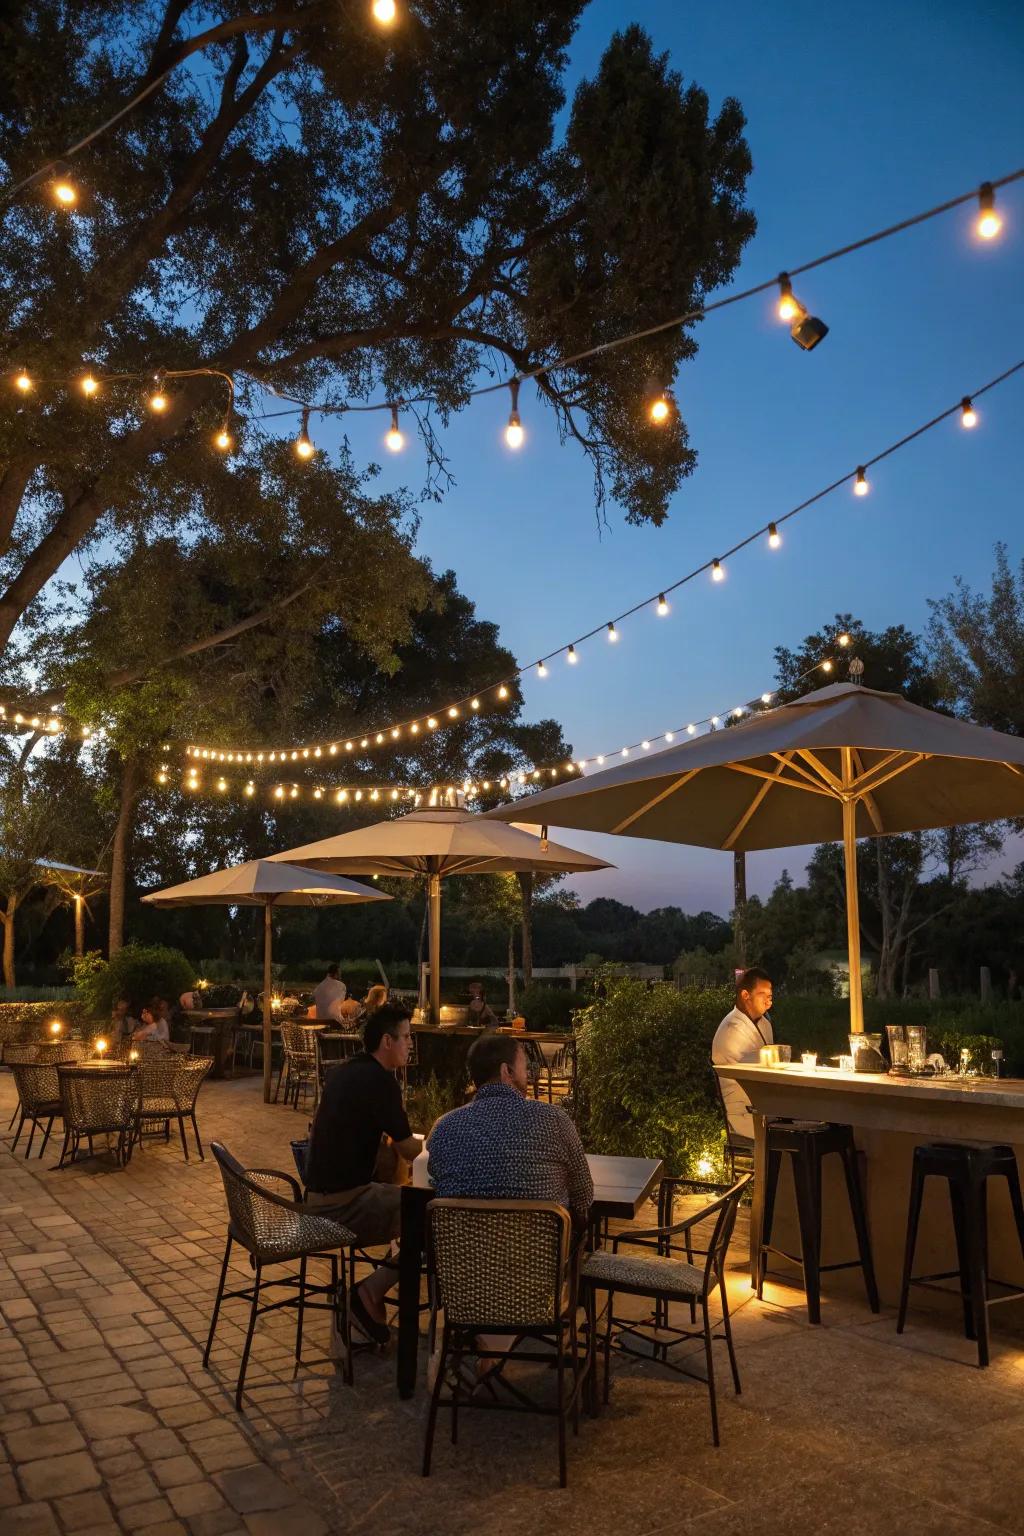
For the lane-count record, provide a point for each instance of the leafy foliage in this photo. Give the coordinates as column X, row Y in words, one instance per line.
column 138, row 972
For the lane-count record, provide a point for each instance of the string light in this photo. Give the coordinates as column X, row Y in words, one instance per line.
column 968, row 415
column 717, row 573
column 303, row 445
column 774, row 537
column 384, row 11
column 223, row 439
column 63, row 189
column 613, row 633
column 542, row 670
column 788, row 308
column 395, row 439
column 23, row 382
column 571, row 656
column 860, row 484
column 842, row 640
column 989, row 222
column 660, row 407
column 662, row 606
column 514, row 433
column 88, row 385
column 158, row 400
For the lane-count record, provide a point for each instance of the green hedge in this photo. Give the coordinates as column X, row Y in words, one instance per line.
column 646, row 1088
column 822, row 1025
column 27, row 1021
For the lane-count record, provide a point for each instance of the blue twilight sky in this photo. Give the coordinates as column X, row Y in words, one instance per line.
column 857, row 116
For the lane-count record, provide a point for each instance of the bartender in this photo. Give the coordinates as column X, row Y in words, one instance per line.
column 480, row 1010
column 739, row 1037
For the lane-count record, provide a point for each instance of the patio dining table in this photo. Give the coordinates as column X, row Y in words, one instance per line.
column 621, row 1186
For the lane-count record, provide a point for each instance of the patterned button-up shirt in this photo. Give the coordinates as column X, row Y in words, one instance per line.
column 505, row 1147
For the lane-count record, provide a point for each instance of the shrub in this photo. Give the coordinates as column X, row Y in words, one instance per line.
column 551, row 1008
column 139, row 971
column 27, row 1021
column 645, row 1078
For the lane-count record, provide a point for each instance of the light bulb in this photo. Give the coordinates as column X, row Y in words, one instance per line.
column 453, row 714
column 659, row 411
column 23, row 382
column 613, row 633
column 88, row 385
column 826, row 666
column 250, row 789
column 64, row 192
column 737, row 712
column 542, row 670
column 788, row 307
column 843, row 640
column 395, row 439
column 989, row 223
column 774, row 537
column 968, row 415
column 384, row 11
column 599, row 759
column 474, row 704
column 431, row 724
column 766, row 698
column 303, row 447
column 662, row 607
column 717, row 573
column 571, row 656
column 646, row 746
column 514, row 433
column 860, row 484
column 223, row 440
column 715, row 721
column 158, row 401
column 691, row 730
column 222, row 784
column 503, row 692
column 161, row 777
column 670, row 735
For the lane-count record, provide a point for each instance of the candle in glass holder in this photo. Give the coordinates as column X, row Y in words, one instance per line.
column 55, row 1027
column 101, row 1046
column 133, row 1055
column 809, row 1058
column 769, row 1056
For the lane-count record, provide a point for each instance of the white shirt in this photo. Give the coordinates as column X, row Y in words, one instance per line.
column 738, row 1038
column 330, row 990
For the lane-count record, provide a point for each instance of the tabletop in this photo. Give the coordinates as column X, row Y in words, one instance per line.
column 96, row 1066
column 621, row 1184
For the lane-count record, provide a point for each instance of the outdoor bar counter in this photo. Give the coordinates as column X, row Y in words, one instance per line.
column 889, row 1115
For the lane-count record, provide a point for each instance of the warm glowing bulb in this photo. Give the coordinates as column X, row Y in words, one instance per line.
column 662, row 606
column 303, row 447
column 161, row 777
column 717, row 573
column 766, row 698
column 860, row 485
column 250, row 789
column 774, row 537
column 691, row 730
column 64, row 192
column 23, row 382
column 474, row 704
column 384, row 11
column 843, row 640
column 101, row 1046
column 968, row 415
column 453, row 714
column 514, row 433
column 826, row 666
column 646, row 746
column 659, row 410
column 223, row 440
column 613, row 634
column 503, row 692
column 89, row 385
column 431, row 724
column 158, row 402
column 394, row 439
column 571, row 656
column 788, row 307
column 55, row 1027
column 670, row 735
column 542, row 670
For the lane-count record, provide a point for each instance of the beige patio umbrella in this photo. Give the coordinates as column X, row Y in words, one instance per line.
column 842, row 762
column 266, row 884
column 440, row 841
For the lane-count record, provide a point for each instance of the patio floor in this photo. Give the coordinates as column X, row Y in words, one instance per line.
column 109, row 1423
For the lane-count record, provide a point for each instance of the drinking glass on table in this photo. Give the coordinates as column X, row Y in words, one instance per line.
column 785, row 1054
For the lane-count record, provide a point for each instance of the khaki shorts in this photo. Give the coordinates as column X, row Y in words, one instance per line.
column 371, row 1211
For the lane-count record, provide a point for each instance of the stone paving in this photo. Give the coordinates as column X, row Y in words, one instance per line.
column 109, row 1423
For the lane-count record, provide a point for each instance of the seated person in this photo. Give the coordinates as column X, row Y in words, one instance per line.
column 739, row 1037
column 153, row 1025
column 375, row 998
column 480, row 1011
column 505, row 1146
column 331, row 990
column 122, row 1019
column 347, row 1011
column 362, row 1102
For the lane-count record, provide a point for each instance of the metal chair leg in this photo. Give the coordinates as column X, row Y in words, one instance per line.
column 253, row 1311
column 181, row 1133
column 562, row 1470
column 435, row 1397
column 913, row 1217
column 216, row 1304
column 49, row 1128
column 199, row 1144
column 711, row 1371
column 727, row 1329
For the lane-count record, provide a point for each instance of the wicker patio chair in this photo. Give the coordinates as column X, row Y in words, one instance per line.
column 170, row 1086
column 739, row 1149
column 16, row 1051
column 503, row 1267
column 38, row 1100
column 277, row 1230
column 298, row 1067
column 665, row 1280
column 96, row 1103
column 557, row 1070
column 336, row 1048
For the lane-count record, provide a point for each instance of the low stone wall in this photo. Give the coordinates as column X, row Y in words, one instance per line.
column 27, row 1021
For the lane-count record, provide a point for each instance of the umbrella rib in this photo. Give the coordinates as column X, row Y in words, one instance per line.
column 866, row 795
column 865, row 773
column 911, row 761
column 684, row 778
column 756, row 801
column 816, row 763
column 807, row 785
column 1014, row 769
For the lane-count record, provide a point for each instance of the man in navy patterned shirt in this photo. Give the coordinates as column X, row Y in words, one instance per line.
column 504, row 1146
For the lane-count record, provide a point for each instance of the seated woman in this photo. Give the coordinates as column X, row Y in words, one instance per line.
column 152, row 1026
column 376, row 997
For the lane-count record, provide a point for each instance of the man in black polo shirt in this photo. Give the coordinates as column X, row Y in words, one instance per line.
column 361, row 1103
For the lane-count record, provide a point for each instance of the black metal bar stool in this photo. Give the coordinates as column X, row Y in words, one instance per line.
column 966, row 1169
column 807, row 1143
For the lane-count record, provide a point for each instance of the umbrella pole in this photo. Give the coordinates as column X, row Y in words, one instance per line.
column 268, row 983
column 434, row 898
column 853, row 915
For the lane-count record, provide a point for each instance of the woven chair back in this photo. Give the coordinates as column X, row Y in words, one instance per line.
column 98, row 1101
column 500, row 1263
column 37, row 1084
column 20, row 1050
